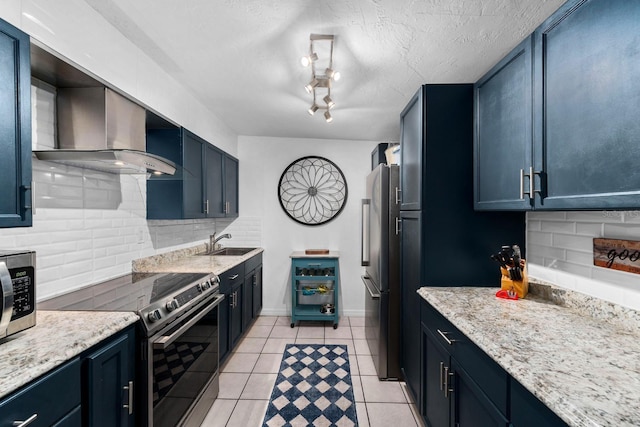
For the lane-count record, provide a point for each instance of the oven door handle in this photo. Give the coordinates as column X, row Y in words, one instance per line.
column 162, row 342
column 7, row 299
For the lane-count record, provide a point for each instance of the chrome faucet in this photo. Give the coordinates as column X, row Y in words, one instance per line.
column 213, row 240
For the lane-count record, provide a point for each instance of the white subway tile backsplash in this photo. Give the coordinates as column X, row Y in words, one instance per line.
column 558, row 255
column 566, row 227
column 589, row 229
column 622, row 231
column 568, row 241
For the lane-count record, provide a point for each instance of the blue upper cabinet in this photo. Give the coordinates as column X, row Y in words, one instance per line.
column 412, row 136
column 568, row 138
column 503, row 137
column 15, row 128
column 199, row 187
column 588, row 105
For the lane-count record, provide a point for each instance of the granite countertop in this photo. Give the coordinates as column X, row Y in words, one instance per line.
column 579, row 357
column 58, row 336
column 188, row 261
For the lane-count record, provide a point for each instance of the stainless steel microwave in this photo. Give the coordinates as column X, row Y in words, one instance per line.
column 17, row 291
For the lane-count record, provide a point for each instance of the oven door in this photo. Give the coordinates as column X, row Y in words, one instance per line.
column 183, row 368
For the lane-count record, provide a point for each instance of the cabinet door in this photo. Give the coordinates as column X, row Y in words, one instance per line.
column 503, row 132
column 247, row 300
column 165, row 192
column 51, row 398
column 436, row 403
column 15, row 128
column 214, row 201
column 193, row 176
column 588, row 92
column 412, row 142
column 257, row 291
column 225, row 325
column 410, row 263
column 109, row 379
column 528, row 411
column 236, row 315
column 230, row 186
column 471, row 407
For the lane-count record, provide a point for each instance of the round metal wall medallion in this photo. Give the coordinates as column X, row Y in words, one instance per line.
column 312, row 190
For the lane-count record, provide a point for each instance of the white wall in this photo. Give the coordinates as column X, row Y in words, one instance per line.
column 88, row 226
column 560, row 250
column 262, row 161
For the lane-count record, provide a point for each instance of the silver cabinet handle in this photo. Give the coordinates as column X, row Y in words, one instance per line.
column 398, row 226
column 26, row 422
column 441, row 376
column 444, row 336
column 206, row 206
column 532, row 183
column 129, row 404
column 398, row 192
column 234, row 277
column 447, row 374
column 522, row 175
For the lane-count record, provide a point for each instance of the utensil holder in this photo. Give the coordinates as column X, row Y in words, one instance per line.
column 521, row 287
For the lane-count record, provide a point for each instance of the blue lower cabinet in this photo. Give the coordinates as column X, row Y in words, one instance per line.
column 460, row 385
column 528, row 411
column 109, row 381
column 46, row 401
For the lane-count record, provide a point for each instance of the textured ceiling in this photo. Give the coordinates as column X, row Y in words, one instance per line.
column 241, row 58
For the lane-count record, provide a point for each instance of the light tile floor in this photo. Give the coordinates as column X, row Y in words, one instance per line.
column 249, row 373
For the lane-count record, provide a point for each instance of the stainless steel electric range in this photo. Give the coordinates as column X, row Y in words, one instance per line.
column 178, row 353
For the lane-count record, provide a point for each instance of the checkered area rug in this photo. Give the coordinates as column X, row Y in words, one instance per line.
column 313, row 388
column 169, row 365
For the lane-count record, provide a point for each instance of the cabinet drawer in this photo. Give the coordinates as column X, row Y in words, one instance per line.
column 231, row 277
column 51, row 397
column 252, row 263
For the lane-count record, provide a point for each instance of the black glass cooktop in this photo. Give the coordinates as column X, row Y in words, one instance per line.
column 132, row 292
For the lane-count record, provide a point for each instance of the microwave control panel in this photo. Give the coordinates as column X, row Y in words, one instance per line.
column 24, row 301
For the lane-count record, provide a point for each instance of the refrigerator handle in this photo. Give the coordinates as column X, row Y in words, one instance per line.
column 364, row 233
column 369, row 285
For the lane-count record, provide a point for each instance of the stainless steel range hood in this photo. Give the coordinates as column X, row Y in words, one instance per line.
column 97, row 128
column 100, row 129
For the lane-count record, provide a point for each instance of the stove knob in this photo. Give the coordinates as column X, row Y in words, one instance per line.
column 172, row 305
column 199, row 287
column 206, row 285
column 154, row 316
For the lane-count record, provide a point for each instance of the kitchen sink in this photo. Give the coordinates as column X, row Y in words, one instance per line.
column 229, row 252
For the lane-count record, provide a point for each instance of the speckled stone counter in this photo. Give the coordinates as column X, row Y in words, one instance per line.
column 57, row 337
column 188, row 261
column 584, row 368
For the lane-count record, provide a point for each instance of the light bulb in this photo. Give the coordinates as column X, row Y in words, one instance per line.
column 330, row 104
column 312, row 109
column 313, row 83
column 327, row 116
column 307, row 60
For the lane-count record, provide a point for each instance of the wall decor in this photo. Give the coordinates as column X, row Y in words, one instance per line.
column 617, row 254
column 312, row 190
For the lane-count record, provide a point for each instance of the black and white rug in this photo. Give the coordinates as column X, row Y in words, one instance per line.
column 313, row 388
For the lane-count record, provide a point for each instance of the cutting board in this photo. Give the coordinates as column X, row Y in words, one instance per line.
column 316, row 251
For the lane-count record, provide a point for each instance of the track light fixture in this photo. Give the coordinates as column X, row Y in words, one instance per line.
column 322, row 43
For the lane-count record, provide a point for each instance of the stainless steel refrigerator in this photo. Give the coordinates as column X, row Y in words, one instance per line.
column 380, row 257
